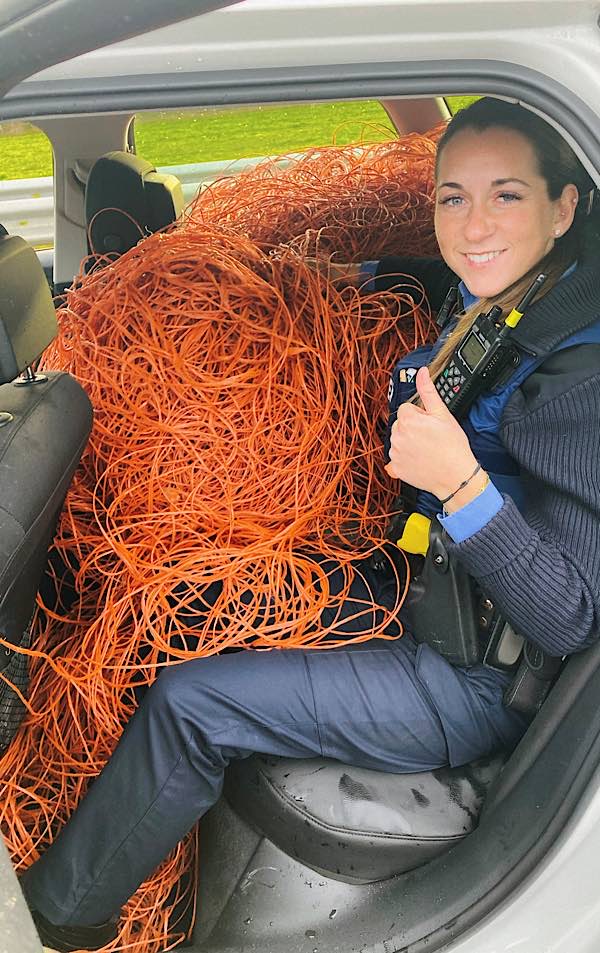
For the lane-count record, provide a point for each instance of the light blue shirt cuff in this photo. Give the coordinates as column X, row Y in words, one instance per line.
column 473, row 516
column 368, row 270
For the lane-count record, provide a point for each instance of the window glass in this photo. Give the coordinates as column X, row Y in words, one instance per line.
column 455, row 103
column 26, row 192
column 25, row 152
column 209, row 135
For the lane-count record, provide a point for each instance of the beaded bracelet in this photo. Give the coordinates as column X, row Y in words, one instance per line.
column 462, row 485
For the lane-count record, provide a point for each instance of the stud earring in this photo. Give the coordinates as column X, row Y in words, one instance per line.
column 557, row 232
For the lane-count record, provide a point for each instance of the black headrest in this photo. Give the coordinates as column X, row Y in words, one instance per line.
column 125, row 199
column 27, row 315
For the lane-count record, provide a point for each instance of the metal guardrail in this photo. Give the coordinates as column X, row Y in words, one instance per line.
column 27, row 205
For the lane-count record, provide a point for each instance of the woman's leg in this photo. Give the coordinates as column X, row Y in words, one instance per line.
column 168, row 767
column 382, row 705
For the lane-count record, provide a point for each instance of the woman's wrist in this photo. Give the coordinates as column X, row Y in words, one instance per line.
column 467, row 493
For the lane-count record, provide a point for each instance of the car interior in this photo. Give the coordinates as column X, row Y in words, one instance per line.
column 312, row 848
column 310, row 855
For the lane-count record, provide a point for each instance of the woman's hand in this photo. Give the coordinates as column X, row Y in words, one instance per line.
column 430, row 450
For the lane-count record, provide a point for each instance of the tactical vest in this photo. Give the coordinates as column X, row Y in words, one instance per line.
column 443, row 599
column 482, row 424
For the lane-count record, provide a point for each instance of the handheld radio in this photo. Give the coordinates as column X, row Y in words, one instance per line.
column 483, row 356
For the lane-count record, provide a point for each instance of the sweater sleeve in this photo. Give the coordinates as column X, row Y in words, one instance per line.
column 542, row 565
column 432, row 273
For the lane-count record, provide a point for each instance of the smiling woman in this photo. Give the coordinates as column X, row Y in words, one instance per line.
column 512, row 201
column 505, row 213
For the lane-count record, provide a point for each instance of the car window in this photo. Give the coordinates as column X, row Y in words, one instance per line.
column 201, row 144
column 26, row 182
column 208, row 135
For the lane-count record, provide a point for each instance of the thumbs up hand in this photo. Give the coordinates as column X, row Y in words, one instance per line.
column 429, row 448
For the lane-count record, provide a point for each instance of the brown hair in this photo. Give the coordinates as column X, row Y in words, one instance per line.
column 559, row 166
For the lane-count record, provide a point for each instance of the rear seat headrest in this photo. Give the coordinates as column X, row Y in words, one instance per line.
column 27, row 315
column 126, row 198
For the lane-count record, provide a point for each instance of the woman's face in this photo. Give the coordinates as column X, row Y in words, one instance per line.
column 493, row 217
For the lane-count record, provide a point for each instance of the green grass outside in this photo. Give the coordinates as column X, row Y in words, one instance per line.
column 214, row 134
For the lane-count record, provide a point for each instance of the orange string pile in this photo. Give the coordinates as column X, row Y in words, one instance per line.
column 356, row 203
column 239, row 405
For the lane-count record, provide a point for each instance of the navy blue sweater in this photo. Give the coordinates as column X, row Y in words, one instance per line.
column 542, row 565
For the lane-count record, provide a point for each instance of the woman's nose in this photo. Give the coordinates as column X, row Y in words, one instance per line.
column 478, row 224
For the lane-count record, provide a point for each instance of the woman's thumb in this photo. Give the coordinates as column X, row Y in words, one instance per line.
column 430, row 399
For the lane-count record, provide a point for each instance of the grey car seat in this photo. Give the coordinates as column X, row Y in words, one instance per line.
column 125, row 199
column 45, row 421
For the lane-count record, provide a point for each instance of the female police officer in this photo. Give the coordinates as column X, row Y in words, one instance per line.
column 511, row 201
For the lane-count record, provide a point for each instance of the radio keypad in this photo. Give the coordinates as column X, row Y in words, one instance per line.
column 450, row 383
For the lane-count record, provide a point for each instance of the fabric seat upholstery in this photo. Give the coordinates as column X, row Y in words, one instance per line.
column 45, row 421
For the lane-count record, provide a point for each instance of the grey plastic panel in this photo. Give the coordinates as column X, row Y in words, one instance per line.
column 280, row 906
column 17, row 932
column 297, row 84
column 35, row 34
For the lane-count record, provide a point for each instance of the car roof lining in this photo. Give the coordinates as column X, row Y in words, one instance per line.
column 35, row 34
column 573, row 117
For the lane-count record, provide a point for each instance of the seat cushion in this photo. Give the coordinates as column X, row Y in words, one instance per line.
column 356, row 824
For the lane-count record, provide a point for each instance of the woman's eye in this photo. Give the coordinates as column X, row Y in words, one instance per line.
column 453, row 201
column 509, row 197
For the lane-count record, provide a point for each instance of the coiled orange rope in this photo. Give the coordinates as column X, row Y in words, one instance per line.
column 357, row 204
column 239, row 403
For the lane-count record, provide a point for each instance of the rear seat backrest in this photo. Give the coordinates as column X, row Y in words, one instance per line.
column 45, row 421
column 125, row 199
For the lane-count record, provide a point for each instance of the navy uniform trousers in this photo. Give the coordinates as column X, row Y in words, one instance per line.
column 389, row 705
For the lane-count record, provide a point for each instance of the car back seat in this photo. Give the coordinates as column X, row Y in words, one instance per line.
column 45, row 421
column 125, row 199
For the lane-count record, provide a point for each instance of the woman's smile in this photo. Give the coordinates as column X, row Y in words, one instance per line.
column 482, row 258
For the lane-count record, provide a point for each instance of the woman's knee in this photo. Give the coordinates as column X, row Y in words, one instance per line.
column 200, row 705
column 180, row 689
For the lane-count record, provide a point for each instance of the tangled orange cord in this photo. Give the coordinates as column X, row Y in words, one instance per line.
column 239, row 403
column 356, row 204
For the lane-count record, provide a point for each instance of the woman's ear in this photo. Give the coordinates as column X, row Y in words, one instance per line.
column 565, row 209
